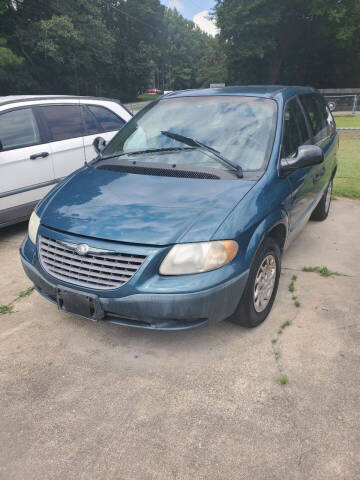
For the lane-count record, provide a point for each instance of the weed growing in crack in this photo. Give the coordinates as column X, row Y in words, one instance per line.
column 285, row 324
column 274, row 340
column 6, row 309
column 283, row 379
column 323, row 271
column 26, row 293
column 297, row 303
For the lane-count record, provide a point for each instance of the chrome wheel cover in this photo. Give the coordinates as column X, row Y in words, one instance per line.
column 264, row 283
column 328, row 197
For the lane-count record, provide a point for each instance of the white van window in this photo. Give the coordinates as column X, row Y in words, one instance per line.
column 18, row 128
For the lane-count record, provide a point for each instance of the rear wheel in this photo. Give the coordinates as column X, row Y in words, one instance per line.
column 322, row 210
column 261, row 287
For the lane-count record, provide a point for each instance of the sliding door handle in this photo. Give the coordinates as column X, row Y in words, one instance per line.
column 39, row 155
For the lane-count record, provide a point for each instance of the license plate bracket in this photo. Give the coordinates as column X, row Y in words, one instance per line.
column 84, row 304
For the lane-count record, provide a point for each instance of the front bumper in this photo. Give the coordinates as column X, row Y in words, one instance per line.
column 165, row 308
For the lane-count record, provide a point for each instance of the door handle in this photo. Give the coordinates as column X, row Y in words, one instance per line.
column 39, row 155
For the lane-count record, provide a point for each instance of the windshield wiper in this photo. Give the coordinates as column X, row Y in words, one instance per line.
column 99, row 158
column 192, row 142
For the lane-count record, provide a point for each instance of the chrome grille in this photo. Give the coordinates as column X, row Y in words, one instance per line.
column 95, row 270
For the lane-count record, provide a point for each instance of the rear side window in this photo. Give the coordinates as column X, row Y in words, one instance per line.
column 107, row 119
column 316, row 110
column 18, row 129
column 295, row 130
column 63, row 121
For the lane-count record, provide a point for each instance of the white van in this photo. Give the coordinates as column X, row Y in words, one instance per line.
column 45, row 138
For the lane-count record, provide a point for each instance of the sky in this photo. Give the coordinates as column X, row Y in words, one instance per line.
column 196, row 11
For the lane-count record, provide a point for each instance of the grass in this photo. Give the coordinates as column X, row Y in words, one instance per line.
column 343, row 121
column 26, row 293
column 347, row 179
column 323, row 271
column 286, row 324
column 283, row 379
column 146, row 97
column 6, row 309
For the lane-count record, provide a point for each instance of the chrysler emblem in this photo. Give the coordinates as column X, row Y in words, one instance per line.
column 82, row 249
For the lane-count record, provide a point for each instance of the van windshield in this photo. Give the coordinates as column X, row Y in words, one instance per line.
column 241, row 129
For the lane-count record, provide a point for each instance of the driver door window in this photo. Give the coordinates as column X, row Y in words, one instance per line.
column 295, row 130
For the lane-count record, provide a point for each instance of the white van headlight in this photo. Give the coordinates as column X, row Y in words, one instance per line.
column 186, row 258
column 34, row 223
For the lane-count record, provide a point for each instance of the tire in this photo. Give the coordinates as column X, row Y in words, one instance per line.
column 251, row 312
column 323, row 207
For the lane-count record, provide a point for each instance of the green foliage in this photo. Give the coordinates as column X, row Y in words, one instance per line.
column 346, row 121
column 283, row 379
column 323, row 271
column 278, row 41
column 347, row 178
column 6, row 309
column 27, row 292
column 101, row 47
column 286, row 324
column 146, row 97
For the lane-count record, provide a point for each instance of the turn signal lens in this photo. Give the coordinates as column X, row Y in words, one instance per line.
column 33, row 227
column 187, row 258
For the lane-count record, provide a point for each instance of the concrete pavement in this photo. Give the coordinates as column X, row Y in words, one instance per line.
column 95, row 401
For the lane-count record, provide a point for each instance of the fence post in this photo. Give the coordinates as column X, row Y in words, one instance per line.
column 356, row 97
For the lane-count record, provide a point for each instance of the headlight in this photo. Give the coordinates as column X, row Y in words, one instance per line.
column 199, row 257
column 34, row 223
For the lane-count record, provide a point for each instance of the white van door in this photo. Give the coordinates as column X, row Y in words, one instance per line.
column 66, row 133
column 26, row 170
column 99, row 122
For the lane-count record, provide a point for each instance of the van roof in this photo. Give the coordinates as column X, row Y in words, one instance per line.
column 266, row 91
column 23, row 98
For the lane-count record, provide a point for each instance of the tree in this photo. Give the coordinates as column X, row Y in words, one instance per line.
column 277, row 41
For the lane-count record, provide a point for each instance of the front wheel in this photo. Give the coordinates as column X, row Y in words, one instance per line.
column 322, row 209
column 261, row 287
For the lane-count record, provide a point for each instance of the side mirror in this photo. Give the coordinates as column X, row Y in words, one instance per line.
column 332, row 106
column 99, row 144
column 306, row 156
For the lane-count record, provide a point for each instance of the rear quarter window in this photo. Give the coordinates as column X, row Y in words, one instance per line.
column 108, row 120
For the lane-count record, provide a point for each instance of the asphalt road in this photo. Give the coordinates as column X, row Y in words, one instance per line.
column 81, row 400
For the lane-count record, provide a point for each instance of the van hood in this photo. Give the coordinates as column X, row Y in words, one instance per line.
column 143, row 209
